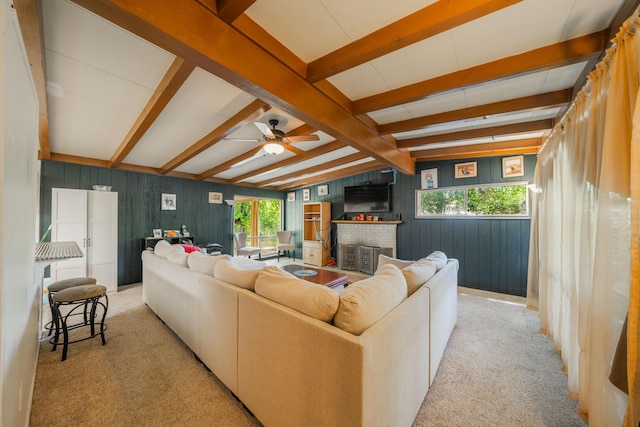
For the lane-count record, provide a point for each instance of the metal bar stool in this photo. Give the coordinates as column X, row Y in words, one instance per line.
column 80, row 297
column 64, row 284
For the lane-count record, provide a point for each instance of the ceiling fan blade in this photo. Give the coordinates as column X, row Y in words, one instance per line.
column 265, row 129
column 303, row 138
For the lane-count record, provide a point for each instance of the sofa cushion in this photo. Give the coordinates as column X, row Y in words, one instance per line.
column 365, row 302
column 162, row 248
column 229, row 272
column 203, row 263
column 247, row 263
column 418, row 273
column 438, row 258
column 317, row 301
column 400, row 263
column 178, row 257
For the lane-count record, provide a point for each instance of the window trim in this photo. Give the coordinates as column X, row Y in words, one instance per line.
column 526, row 215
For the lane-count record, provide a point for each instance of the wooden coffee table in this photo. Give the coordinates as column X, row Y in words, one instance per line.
column 332, row 279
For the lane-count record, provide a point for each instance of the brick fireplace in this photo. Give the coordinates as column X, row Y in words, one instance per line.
column 360, row 243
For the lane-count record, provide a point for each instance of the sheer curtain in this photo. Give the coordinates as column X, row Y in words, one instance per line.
column 584, row 257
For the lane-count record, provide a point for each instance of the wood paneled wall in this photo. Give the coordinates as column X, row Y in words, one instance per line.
column 493, row 253
column 139, row 209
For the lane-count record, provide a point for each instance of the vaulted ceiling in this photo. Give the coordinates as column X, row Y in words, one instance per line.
column 174, row 87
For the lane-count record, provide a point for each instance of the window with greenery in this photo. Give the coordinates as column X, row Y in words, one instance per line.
column 503, row 200
column 260, row 219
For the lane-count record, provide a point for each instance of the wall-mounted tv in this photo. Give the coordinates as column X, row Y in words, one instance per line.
column 367, row 198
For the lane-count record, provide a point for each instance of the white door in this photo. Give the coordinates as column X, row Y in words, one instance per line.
column 69, row 223
column 103, row 238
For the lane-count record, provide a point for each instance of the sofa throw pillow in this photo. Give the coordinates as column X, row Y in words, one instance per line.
column 438, row 258
column 178, row 257
column 365, row 302
column 162, row 248
column 227, row 271
column 384, row 260
column 418, row 273
column 317, row 301
column 204, row 264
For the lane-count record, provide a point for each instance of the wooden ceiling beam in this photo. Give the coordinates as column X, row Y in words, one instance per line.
column 515, row 146
column 184, row 28
column 270, row 44
column 323, row 149
column 171, row 82
column 230, row 10
column 325, row 177
column 240, row 119
column 29, row 14
column 320, row 167
column 229, row 163
column 524, row 127
column 544, row 58
column 544, row 100
column 434, row 19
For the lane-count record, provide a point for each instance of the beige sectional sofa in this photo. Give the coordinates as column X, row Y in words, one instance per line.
column 299, row 354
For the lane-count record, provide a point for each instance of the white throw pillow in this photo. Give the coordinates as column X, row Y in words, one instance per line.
column 317, row 301
column 365, row 302
column 203, row 263
column 384, row 260
column 418, row 273
column 438, row 258
column 229, row 272
column 162, row 248
column 178, row 257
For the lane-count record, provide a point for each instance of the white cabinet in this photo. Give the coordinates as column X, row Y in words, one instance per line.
column 90, row 218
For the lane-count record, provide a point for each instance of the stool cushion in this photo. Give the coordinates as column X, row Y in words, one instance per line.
column 69, row 283
column 79, row 293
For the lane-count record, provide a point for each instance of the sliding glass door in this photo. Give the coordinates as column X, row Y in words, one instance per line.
column 260, row 219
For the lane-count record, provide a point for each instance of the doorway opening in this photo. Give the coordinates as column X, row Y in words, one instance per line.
column 260, row 219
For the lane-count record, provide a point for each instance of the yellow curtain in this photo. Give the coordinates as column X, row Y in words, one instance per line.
column 585, row 242
column 255, row 224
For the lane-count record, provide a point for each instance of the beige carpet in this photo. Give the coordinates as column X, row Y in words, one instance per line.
column 497, row 370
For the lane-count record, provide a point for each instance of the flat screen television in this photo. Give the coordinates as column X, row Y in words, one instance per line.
column 367, row 198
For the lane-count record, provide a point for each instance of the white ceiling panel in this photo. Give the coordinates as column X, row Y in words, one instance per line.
column 359, row 82
column 525, row 26
column 213, row 156
column 178, row 126
column 82, row 137
column 77, row 78
column 76, row 33
column 424, row 60
column 349, row 14
column 208, row 92
column 304, row 26
column 589, row 16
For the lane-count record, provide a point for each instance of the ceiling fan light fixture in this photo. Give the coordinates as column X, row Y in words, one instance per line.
column 273, row 148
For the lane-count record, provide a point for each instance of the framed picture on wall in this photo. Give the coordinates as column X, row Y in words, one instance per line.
column 429, row 178
column 168, row 202
column 323, row 190
column 305, row 195
column 215, row 197
column 512, row 166
column 466, row 170
column 291, row 197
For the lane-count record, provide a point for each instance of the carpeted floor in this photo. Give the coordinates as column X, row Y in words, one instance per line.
column 497, row 370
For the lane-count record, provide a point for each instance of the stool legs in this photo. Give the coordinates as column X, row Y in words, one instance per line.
column 61, row 321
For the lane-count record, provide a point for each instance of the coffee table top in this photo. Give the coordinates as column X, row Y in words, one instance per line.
column 322, row 276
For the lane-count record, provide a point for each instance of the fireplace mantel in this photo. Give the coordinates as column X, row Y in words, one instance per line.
column 341, row 221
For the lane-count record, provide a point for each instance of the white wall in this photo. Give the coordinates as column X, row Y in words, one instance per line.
column 20, row 294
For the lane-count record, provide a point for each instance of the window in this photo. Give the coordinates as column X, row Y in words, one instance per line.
column 260, row 219
column 490, row 200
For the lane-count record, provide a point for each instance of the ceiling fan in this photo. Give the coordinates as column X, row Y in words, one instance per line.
column 275, row 140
